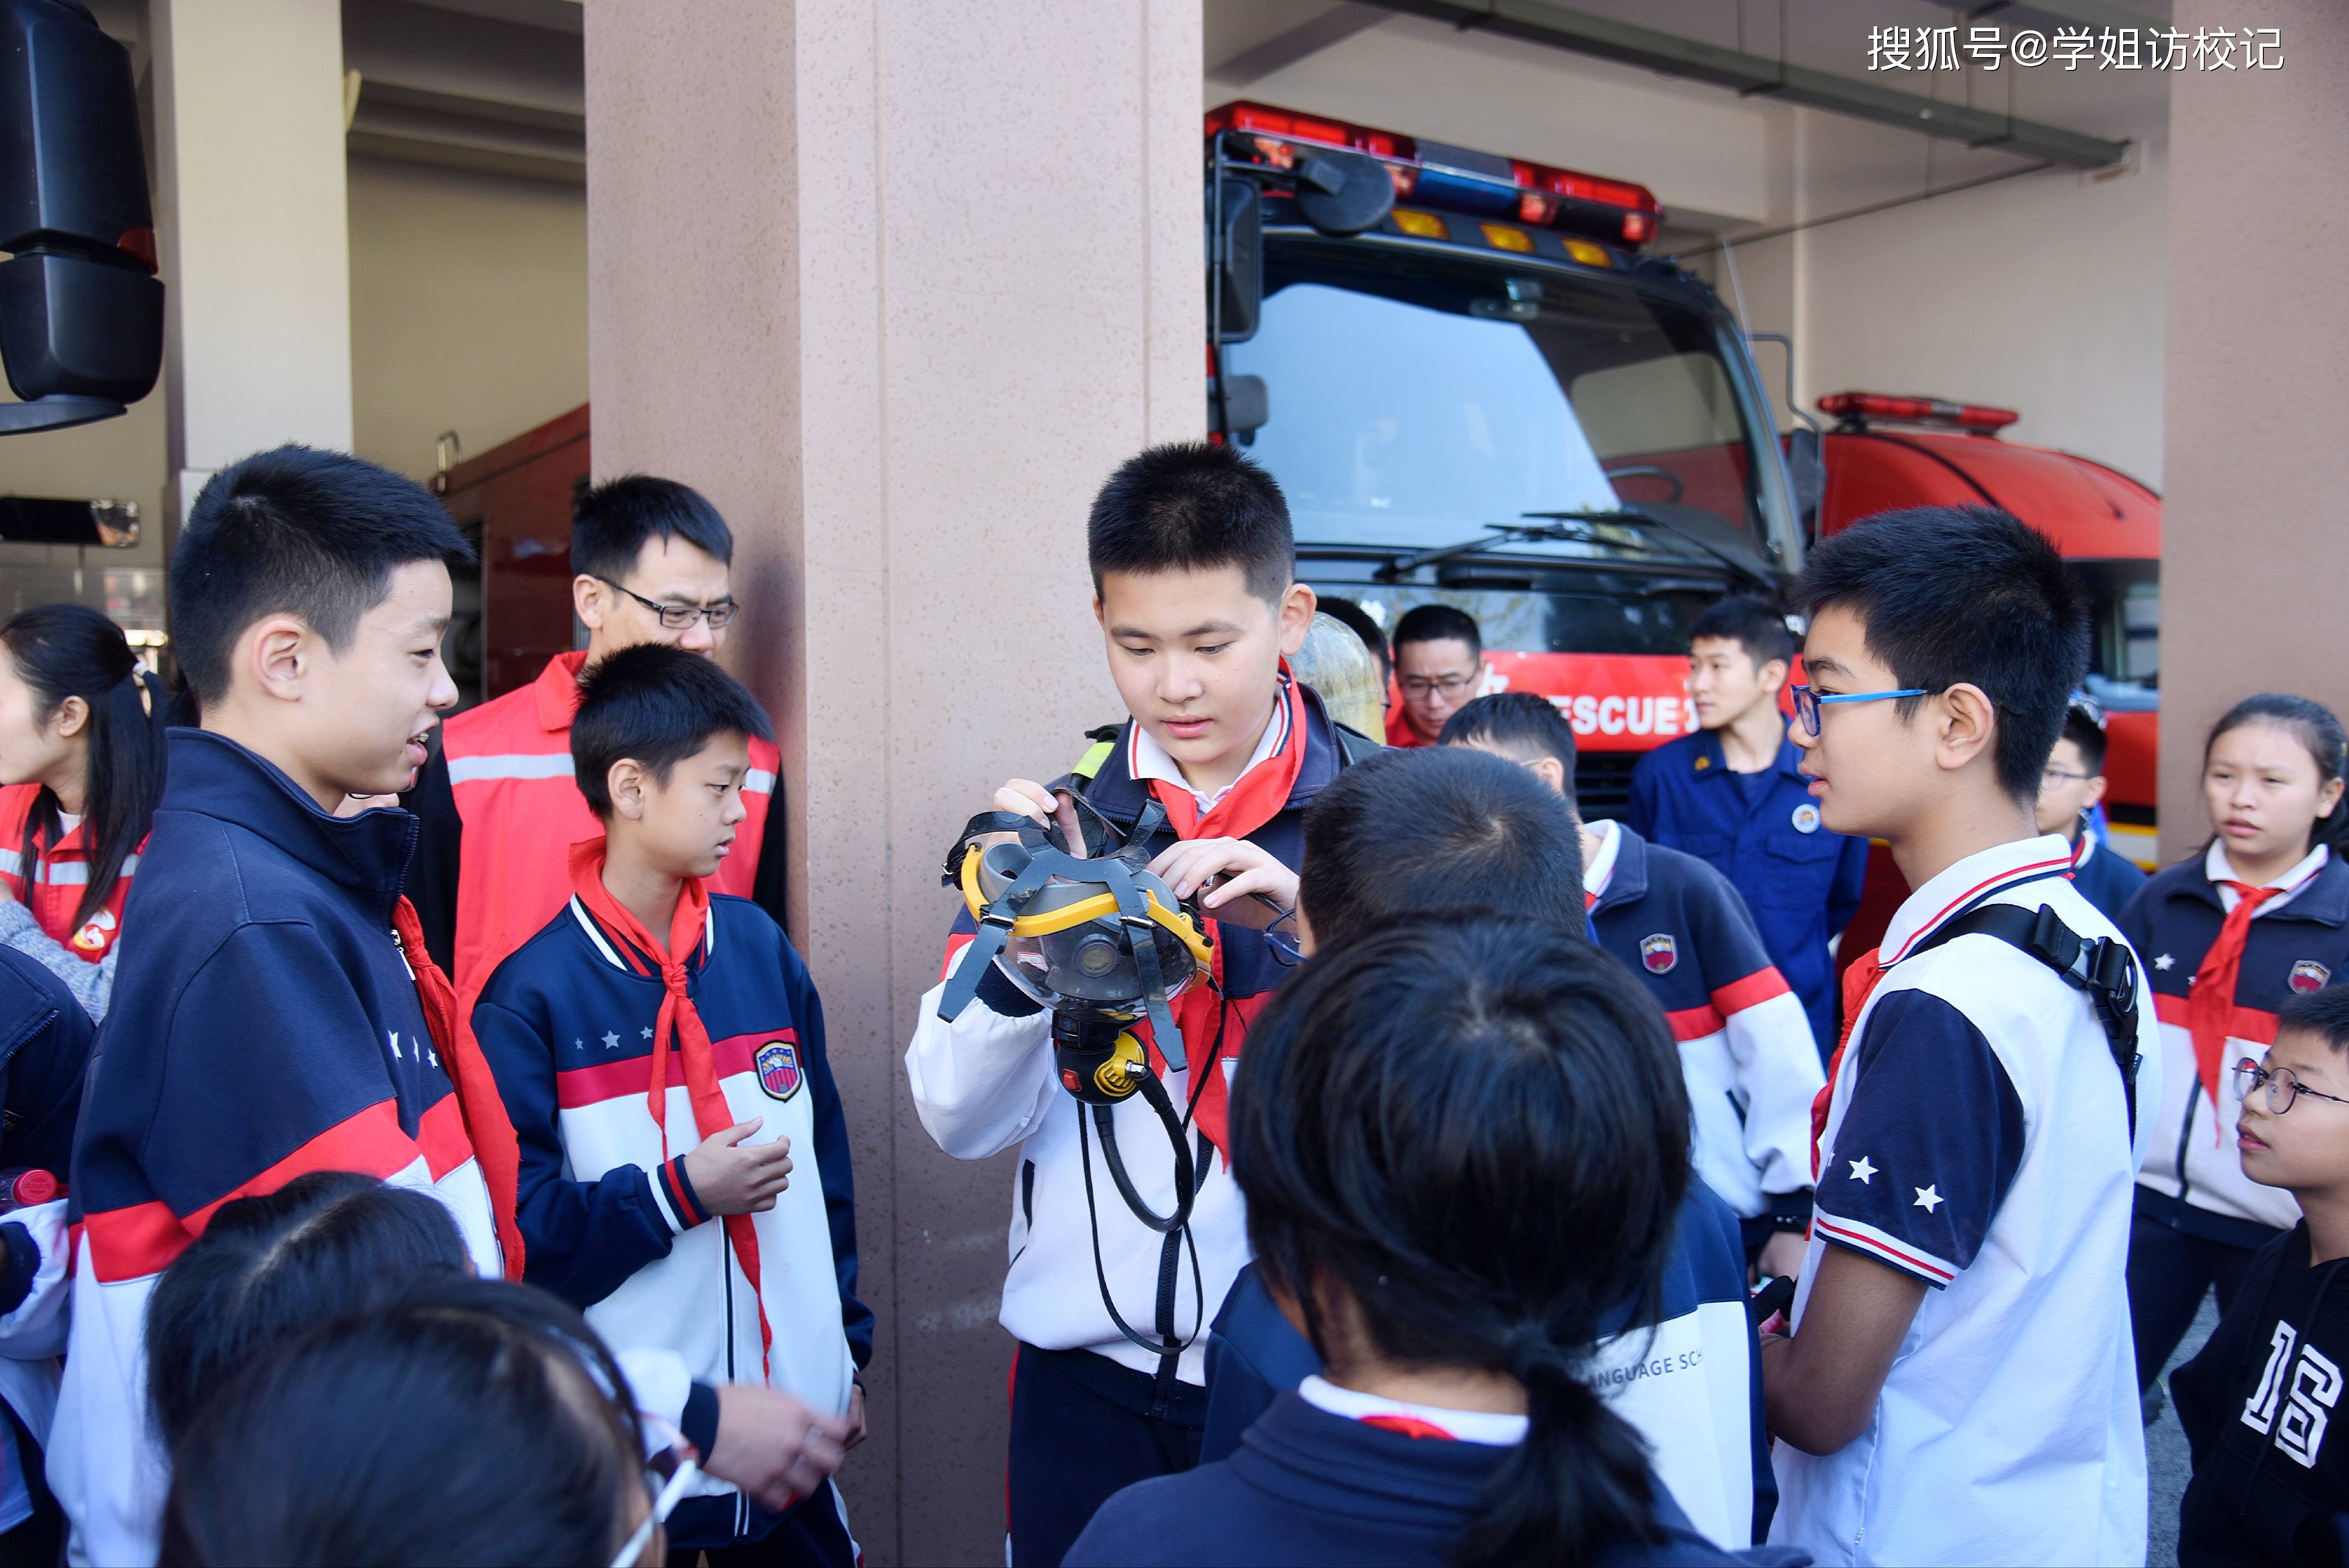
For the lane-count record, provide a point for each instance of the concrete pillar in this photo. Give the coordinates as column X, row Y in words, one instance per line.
column 255, row 236
column 897, row 282
column 2256, row 397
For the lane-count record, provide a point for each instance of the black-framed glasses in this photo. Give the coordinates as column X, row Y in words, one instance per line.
column 1423, row 685
column 1807, row 702
column 2283, row 1089
column 2056, row 778
column 679, row 617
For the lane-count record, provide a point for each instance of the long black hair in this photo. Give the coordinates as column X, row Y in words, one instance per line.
column 268, row 1270
column 1476, row 1130
column 71, row 650
column 475, row 1421
column 2318, row 730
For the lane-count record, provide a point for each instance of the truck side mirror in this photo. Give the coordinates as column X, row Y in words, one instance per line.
column 1236, row 261
column 81, row 312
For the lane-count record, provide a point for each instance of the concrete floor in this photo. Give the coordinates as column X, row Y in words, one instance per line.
column 2165, row 1451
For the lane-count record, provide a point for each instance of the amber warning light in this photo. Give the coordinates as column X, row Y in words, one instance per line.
column 1431, row 174
column 1859, row 408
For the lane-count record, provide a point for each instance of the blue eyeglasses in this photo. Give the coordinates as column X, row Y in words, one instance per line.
column 1807, row 702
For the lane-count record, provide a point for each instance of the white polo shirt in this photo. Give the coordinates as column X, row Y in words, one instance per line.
column 1976, row 1138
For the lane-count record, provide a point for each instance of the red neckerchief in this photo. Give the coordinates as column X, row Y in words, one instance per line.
column 2210, row 1001
column 495, row 1149
column 1859, row 978
column 1257, row 798
column 678, row 1020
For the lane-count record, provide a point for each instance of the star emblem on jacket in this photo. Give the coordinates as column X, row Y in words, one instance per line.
column 1861, row 1169
column 611, row 1041
column 2165, row 962
column 1927, row 1199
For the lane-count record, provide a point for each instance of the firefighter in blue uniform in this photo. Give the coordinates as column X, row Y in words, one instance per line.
column 1731, row 795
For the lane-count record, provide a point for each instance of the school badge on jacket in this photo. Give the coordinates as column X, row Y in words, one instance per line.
column 2308, row 975
column 1659, row 952
column 777, row 1063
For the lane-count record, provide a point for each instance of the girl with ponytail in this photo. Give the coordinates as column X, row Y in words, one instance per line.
column 1463, row 1144
column 2227, row 937
column 81, row 766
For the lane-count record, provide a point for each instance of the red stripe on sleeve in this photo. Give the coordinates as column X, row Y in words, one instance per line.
column 1696, row 1023
column 441, row 1134
column 1751, row 992
column 130, row 1243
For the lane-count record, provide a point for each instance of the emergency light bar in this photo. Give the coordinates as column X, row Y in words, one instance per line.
column 1860, row 406
column 1433, row 175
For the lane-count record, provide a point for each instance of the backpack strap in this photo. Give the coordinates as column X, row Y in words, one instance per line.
column 2101, row 967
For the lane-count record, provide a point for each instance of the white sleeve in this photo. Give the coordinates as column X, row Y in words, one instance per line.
column 105, row 1465
column 35, row 1330
column 1778, row 1074
column 982, row 1083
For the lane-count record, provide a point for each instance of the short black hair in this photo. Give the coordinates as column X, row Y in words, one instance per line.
column 1516, row 722
column 1438, row 624
column 1751, row 625
column 611, row 522
column 1954, row 594
column 1193, row 506
column 2323, row 1013
column 657, row 706
column 299, row 531
column 2082, row 730
column 1437, row 829
column 1358, row 620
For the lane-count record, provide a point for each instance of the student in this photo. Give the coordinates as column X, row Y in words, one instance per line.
column 1463, row 1146
column 2229, row 936
column 1439, row 661
column 1957, row 1387
column 2257, row 1401
column 652, row 560
column 474, row 1423
column 1733, row 795
column 266, row 1018
column 645, row 991
column 1407, row 837
column 40, row 1099
column 2069, row 788
column 80, row 770
column 1744, row 1044
column 1194, row 578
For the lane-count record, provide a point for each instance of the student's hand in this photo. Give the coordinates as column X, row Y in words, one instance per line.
column 730, row 1179
column 855, row 1412
column 1781, row 1256
column 1230, row 869
column 1025, row 798
column 773, row 1447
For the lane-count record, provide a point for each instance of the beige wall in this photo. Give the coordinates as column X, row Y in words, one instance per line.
column 897, row 285
column 469, row 308
column 2252, row 583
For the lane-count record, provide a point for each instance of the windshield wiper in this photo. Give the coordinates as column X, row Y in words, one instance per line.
column 1553, row 526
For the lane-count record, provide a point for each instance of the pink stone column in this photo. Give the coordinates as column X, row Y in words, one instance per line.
column 2254, row 595
column 897, row 284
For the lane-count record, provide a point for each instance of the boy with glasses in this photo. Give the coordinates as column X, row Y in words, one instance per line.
column 1959, row 1384
column 1439, row 663
column 498, row 808
column 2258, row 1402
column 2069, row 788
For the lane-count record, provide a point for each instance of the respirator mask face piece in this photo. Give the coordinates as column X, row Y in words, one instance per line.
column 1071, row 950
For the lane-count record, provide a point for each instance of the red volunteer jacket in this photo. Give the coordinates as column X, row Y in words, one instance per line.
column 51, row 887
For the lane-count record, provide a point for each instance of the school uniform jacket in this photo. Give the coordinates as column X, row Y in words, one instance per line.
column 1801, row 883
column 608, row 1218
column 2295, row 944
column 265, row 1024
column 984, row 1084
column 1690, row 1381
column 502, row 809
column 2105, row 877
column 1745, row 1044
column 51, row 887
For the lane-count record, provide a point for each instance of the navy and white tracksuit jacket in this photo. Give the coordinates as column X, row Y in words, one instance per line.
column 265, row 1025
column 1745, row 1044
column 2298, row 941
column 1691, row 1382
column 608, row 1220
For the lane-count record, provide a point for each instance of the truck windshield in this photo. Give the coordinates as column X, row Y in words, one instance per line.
column 1415, row 397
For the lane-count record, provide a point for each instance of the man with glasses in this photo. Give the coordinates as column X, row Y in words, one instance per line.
column 499, row 811
column 2069, row 789
column 1438, row 662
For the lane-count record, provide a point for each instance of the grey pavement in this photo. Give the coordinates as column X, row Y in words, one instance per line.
column 2165, row 1450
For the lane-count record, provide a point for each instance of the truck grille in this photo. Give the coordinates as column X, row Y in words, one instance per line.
column 1602, row 782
